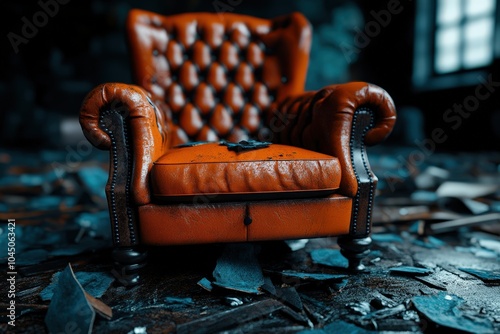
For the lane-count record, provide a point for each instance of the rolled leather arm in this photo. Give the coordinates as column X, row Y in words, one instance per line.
column 322, row 121
column 145, row 128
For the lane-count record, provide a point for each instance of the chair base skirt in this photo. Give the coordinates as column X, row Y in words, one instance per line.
column 244, row 221
column 181, row 224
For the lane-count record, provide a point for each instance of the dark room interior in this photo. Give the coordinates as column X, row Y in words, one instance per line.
column 435, row 224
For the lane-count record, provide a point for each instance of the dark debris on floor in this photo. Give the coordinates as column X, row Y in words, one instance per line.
column 434, row 263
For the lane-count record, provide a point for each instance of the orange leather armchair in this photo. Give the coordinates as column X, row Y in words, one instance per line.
column 225, row 79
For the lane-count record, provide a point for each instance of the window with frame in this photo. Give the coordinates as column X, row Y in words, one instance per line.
column 454, row 39
column 463, row 35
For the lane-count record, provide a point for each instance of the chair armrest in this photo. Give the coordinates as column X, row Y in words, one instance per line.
column 336, row 120
column 122, row 119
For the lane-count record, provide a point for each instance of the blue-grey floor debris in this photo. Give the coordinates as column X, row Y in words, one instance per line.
column 412, row 271
column 95, row 283
column 69, row 308
column 238, row 269
column 416, row 281
column 444, row 309
column 487, row 276
column 329, row 257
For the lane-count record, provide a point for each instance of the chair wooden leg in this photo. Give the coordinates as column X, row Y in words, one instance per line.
column 127, row 262
column 355, row 249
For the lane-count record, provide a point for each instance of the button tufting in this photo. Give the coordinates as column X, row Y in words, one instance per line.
column 174, row 54
column 188, row 76
column 175, row 97
column 260, row 95
column 255, row 55
column 213, row 79
column 229, row 55
column 221, row 120
column 250, row 118
column 201, row 55
column 244, row 76
column 233, row 97
column 207, row 134
column 217, row 77
column 240, row 36
column 204, row 98
column 190, row 120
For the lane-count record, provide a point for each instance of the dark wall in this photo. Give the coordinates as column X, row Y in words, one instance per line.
column 83, row 44
column 388, row 61
column 74, row 45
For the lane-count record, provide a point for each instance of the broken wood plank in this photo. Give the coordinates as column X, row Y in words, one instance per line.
column 454, row 225
column 234, row 317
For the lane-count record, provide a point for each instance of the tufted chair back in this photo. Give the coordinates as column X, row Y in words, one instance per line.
column 215, row 76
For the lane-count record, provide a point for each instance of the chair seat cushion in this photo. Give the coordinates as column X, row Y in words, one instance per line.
column 211, row 172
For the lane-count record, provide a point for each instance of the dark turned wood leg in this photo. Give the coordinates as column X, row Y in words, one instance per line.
column 127, row 262
column 355, row 249
column 356, row 245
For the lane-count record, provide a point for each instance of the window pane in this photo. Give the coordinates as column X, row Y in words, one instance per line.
column 447, row 60
column 477, row 54
column 448, row 11
column 479, row 29
column 448, row 37
column 479, row 7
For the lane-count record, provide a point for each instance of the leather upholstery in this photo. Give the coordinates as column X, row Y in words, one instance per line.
column 322, row 121
column 319, row 121
column 215, row 76
column 208, row 77
column 181, row 224
column 149, row 137
column 213, row 170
